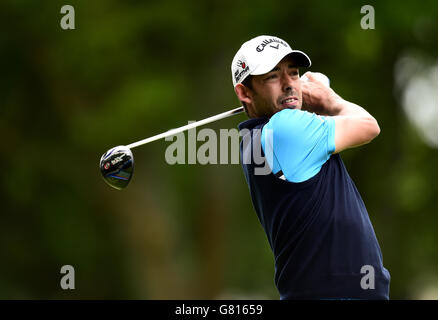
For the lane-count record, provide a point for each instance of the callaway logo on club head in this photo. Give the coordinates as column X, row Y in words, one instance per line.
column 116, row 160
column 106, row 166
column 264, row 43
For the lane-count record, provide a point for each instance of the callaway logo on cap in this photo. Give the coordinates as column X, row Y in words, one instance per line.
column 260, row 55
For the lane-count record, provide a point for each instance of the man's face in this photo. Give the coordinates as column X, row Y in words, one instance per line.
column 277, row 90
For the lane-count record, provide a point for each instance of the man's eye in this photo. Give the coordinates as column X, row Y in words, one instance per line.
column 272, row 76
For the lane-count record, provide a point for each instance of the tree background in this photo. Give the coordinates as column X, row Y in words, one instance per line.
column 133, row 69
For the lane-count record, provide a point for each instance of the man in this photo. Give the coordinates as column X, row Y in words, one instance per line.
column 314, row 217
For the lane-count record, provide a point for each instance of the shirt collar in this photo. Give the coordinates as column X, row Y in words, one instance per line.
column 251, row 123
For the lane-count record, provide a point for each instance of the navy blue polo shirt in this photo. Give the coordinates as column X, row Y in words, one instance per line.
column 313, row 215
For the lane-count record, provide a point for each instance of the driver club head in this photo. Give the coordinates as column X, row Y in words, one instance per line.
column 117, row 166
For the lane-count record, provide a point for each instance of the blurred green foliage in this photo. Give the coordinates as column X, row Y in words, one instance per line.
column 132, row 69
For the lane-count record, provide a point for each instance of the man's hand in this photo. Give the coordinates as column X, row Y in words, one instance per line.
column 354, row 126
column 317, row 97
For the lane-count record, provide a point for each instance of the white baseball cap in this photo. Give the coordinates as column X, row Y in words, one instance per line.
column 260, row 55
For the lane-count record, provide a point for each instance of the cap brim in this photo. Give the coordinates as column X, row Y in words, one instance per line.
column 301, row 59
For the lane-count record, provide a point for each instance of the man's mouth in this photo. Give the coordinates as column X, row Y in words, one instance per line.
column 290, row 102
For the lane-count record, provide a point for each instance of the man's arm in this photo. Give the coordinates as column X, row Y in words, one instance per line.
column 354, row 126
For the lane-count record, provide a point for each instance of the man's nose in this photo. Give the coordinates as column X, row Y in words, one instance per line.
column 287, row 82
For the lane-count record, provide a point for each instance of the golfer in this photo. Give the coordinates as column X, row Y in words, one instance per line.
column 315, row 220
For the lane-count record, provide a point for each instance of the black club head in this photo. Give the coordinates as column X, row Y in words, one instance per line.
column 117, row 166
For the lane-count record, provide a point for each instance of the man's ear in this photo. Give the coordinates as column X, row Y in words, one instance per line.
column 243, row 93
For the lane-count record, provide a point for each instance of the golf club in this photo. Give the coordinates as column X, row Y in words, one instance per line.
column 117, row 164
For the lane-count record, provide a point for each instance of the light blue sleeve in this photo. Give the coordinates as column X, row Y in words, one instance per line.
column 301, row 142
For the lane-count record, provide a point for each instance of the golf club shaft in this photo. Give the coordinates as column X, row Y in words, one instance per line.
column 187, row 127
